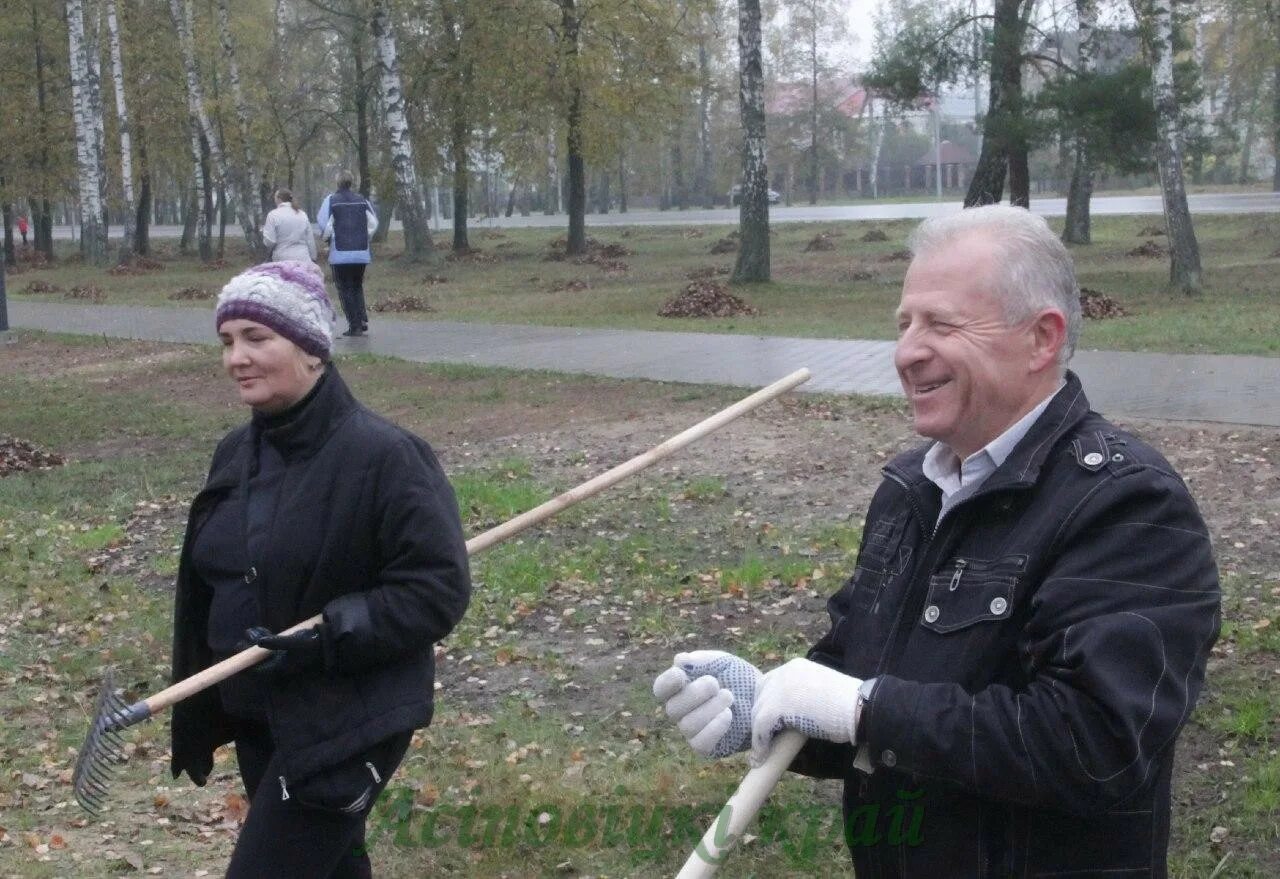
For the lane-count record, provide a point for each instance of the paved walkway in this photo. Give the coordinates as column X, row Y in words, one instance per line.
column 1228, row 389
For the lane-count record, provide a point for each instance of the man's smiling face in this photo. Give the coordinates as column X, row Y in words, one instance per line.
column 967, row 373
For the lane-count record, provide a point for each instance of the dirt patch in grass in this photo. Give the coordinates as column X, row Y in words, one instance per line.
column 573, row 285
column 724, row 245
column 897, row 256
column 1150, row 231
column 873, row 235
column 706, row 299
column 20, row 456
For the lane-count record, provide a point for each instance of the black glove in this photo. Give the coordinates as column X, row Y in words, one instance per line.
column 301, row 652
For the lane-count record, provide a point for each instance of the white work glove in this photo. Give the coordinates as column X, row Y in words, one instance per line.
column 803, row 695
column 709, row 693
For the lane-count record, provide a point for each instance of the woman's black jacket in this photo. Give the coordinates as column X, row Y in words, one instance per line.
column 367, row 533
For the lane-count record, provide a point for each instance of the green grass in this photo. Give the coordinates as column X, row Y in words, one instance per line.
column 847, row 292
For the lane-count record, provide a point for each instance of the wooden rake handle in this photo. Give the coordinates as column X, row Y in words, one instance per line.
column 726, row 831
column 251, row 656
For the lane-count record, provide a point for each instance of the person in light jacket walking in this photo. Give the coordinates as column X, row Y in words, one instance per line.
column 287, row 231
column 349, row 221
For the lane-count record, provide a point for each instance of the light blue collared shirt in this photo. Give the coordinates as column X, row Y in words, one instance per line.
column 959, row 479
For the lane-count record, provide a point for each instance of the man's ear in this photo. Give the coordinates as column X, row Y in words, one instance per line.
column 1049, row 334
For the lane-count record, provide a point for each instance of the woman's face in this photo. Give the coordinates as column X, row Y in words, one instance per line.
column 270, row 372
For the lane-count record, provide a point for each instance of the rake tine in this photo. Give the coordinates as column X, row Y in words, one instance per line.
column 104, row 747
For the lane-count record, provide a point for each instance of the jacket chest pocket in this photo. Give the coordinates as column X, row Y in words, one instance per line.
column 970, row 590
column 882, row 558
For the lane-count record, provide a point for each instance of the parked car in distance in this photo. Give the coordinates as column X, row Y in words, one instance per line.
column 735, row 192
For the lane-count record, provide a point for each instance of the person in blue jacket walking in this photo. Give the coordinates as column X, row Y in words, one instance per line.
column 348, row 222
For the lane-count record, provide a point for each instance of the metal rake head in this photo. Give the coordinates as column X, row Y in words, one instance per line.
column 103, row 747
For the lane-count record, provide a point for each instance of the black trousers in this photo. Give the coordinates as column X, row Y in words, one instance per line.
column 283, row 839
column 349, row 279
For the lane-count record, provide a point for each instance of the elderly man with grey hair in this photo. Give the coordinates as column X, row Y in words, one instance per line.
column 1026, row 628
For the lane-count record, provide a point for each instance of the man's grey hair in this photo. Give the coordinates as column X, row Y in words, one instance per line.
column 1033, row 269
column 345, row 179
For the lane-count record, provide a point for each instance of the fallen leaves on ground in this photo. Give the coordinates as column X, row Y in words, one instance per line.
column 472, row 255
column 706, row 299
column 573, row 285
column 19, row 456
column 403, row 304
column 1099, row 306
column 857, row 273
column 724, row 245
column 874, row 235
column 194, row 294
column 1151, row 249
column 897, row 256
column 1149, row 231
column 35, row 287
column 821, row 241
column 91, row 292
column 432, row 280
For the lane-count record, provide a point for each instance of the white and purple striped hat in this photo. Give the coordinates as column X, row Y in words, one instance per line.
column 289, row 297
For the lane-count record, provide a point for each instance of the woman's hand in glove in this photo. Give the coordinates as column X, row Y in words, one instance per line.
column 297, row 653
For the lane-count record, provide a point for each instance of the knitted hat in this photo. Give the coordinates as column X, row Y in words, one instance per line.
column 289, row 297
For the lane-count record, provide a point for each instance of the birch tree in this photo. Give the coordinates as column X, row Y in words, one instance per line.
column 93, row 65
column 752, row 263
column 126, row 147
column 1077, row 229
column 409, row 194
column 180, row 12
column 1184, row 251
column 93, row 233
column 248, row 164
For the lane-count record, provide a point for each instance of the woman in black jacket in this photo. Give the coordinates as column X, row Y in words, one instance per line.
column 316, row 506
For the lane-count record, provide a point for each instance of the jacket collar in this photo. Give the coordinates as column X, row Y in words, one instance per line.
column 1022, row 467
column 302, row 430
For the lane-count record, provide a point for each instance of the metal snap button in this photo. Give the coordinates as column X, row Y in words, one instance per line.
column 888, row 758
column 1093, row 459
column 1117, row 457
column 251, row 575
column 931, row 613
column 999, row 606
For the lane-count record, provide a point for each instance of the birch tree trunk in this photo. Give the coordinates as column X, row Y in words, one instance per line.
column 93, row 244
column 551, row 204
column 1077, row 229
column 813, row 102
column 126, row 145
column 409, row 194
column 1184, row 251
column 876, row 144
column 198, row 125
column 93, row 58
column 41, row 210
column 247, row 175
column 180, row 12
column 705, row 187
column 752, row 263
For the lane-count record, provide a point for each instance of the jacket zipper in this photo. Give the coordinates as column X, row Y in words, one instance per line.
column 955, row 578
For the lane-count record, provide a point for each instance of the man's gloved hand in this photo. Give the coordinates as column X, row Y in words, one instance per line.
column 709, row 693
column 803, row 695
column 298, row 653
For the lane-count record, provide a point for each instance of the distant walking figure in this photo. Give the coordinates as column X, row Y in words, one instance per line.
column 22, row 228
column 287, row 231
column 348, row 221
